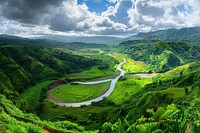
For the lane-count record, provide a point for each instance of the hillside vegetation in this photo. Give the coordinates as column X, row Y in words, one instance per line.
column 162, row 105
column 169, row 104
column 161, row 56
column 167, row 101
column 13, row 120
column 188, row 35
column 23, row 66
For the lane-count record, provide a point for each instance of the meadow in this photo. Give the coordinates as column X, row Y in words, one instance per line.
column 80, row 92
column 125, row 88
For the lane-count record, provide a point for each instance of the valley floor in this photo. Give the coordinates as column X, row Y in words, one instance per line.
column 125, row 88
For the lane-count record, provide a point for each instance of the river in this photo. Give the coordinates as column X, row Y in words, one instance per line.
column 106, row 94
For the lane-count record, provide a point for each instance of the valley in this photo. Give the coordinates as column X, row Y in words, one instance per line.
column 87, row 89
column 134, row 86
column 99, row 66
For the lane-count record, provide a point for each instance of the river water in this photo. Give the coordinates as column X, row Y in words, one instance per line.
column 106, row 94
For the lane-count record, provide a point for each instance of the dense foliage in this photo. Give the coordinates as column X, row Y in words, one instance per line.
column 161, row 56
column 15, row 121
column 23, row 66
column 169, row 104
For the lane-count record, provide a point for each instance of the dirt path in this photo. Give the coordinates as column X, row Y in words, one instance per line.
column 51, row 97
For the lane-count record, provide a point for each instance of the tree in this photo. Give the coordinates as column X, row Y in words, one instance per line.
column 186, row 90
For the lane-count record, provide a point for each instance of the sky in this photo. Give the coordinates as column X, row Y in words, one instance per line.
column 120, row 18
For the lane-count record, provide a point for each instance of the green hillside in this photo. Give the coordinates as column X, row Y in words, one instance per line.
column 190, row 35
column 23, row 66
column 13, row 120
column 161, row 56
column 169, row 104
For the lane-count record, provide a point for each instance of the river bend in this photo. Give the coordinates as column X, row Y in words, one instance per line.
column 106, row 94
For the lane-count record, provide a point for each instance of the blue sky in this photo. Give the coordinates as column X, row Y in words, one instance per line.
column 95, row 17
column 97, row 6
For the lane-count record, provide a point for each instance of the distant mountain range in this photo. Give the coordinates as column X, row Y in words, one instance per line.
column 191, row 35
column 14, row 40
column 85, row 39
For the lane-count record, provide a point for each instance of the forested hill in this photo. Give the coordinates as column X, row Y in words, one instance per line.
column 191, row 35
column 22, row 66
column 161, row 56
column 14, row 40
column 169, row 104
column 26, row 63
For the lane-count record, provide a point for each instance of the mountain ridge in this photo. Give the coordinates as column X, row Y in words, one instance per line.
column 84, row 39
column 191, row 35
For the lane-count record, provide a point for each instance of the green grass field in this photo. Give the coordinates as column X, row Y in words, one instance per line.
column 132, row 66
column 175, row 72
column 80, row 92
column 126, row 88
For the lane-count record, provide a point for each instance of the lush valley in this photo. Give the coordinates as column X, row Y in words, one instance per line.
column 159, row 92
column 23, row 66
column 99, row 66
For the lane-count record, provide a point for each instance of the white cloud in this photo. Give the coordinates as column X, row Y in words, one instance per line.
column 112, row 1
column 125, row 17
column 162, row 14
column 69, row 16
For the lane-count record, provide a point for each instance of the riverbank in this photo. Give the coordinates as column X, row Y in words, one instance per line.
column 106, row 94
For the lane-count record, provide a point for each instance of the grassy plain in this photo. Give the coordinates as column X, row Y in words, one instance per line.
column 125, row 88
column 131, row 66
column 80, row 92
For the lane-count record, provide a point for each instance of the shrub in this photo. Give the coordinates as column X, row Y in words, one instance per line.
column 34, row 129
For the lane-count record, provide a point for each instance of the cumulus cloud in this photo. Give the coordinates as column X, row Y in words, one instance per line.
column 15, row 28
column 121, row 14
column 29, row 11
column 68, row 18
column 124, row 17
column 161, row 14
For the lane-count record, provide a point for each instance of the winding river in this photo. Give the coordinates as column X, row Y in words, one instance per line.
column 106, row 94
